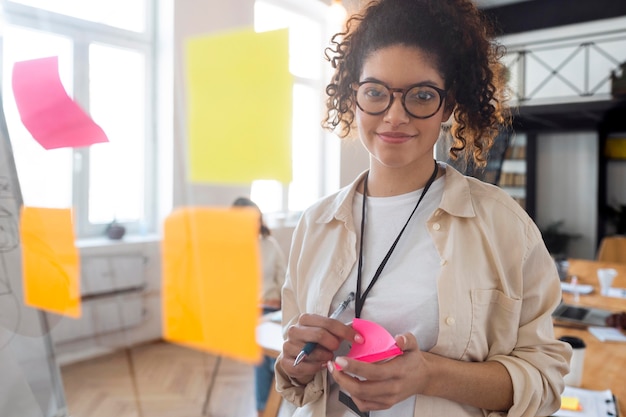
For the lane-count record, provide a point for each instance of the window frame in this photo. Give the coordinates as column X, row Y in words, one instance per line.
column 329, row 146
column 83, row 33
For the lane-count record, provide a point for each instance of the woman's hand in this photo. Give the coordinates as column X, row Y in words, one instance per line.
column 326, row 332
column 381, row 385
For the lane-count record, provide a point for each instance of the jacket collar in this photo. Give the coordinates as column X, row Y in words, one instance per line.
column 457, row 194
column 340, row 206
column 456, row 200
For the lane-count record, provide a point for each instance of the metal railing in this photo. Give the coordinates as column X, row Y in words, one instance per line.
column 569, row 69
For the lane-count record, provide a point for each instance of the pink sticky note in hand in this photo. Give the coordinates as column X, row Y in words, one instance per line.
column 378, row 346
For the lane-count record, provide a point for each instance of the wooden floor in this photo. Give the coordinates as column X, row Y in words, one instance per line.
column 158, row 380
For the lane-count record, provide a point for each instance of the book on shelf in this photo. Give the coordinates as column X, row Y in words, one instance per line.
column 512, row 179
column 582, row 402
column 516, row 152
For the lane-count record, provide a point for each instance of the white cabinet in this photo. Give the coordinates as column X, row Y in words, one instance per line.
column 120, row 289
column 108, row 274
column 100, row 316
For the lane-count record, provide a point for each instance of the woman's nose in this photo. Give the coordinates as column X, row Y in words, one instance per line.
column 396, row 114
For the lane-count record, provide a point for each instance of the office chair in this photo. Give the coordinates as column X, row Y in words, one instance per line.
column 612, row 249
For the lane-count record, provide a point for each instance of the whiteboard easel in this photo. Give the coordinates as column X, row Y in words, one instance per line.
column 30, row 380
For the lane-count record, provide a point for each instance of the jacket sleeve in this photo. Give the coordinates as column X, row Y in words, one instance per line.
column 290, row 390
column 539, row 361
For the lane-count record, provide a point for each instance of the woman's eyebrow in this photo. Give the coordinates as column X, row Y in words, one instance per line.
column 429, row 83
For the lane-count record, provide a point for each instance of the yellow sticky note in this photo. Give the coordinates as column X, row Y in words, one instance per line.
column 239, row 94
column 570, row 403
column 211, row 280
column 50, row 261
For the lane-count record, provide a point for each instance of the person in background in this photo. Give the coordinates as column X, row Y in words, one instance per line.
column 273, row 263
column 451, row 266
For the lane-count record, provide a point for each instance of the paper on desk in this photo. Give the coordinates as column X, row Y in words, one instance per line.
column 617, row 292
column 607, row 334
column 379, row 344
column 592, row 403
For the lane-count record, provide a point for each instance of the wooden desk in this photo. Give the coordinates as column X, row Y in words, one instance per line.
column 605, row 362
column 270, row 337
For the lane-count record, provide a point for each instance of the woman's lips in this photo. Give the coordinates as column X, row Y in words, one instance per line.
column 394, row 137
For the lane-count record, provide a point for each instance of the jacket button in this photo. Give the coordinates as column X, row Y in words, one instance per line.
column 442, row 262
column 436, row 226
column 450, row 321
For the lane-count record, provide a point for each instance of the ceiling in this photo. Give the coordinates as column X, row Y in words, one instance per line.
column 353, row 5
column 495, row 3
column 565, row 117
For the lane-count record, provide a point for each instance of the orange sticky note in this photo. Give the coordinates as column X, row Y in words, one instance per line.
column 211, row 278
column 50, row 261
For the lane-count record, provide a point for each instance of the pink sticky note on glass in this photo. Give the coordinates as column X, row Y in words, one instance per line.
column 47, row 111
column 379, row 345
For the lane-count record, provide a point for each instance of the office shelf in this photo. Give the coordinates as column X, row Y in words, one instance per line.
column 513, row 176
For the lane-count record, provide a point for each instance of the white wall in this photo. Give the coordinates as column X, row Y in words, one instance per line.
column 567, row 187
column 354, row 160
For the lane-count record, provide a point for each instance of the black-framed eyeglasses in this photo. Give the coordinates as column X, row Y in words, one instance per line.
column 419, row 100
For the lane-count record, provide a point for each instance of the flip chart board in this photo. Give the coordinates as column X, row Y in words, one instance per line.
column 30, row 382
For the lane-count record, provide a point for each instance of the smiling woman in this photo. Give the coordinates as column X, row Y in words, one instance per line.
column 404, row 234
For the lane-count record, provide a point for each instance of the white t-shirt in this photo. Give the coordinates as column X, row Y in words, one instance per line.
column 404, row 299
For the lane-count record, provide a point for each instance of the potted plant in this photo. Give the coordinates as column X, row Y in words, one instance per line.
column 616, row 215
column 556, row 240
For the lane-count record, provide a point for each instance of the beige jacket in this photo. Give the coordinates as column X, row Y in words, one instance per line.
column 497, row 288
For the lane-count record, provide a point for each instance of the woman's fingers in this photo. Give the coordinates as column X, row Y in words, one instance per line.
column 326, row 333
column 378, row 386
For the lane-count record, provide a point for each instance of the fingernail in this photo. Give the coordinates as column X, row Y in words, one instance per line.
column 404, row 341
column 330, row 366
column 359, row 339
column 341, row 361
column 400, row 336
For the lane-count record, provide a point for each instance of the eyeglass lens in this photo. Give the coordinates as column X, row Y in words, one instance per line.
column 420, row 101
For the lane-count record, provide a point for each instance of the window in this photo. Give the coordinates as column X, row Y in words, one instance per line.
column 106, row 63
column 315, row 153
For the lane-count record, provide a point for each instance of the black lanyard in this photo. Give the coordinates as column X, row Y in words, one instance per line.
column 360, row 299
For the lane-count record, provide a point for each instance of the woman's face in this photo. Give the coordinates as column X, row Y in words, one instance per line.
column 395, row 139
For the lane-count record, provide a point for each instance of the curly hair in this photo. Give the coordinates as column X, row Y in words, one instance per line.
column 459, row 39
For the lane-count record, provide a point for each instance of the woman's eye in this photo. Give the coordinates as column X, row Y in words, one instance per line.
column 421, row 95
column 375, row 93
